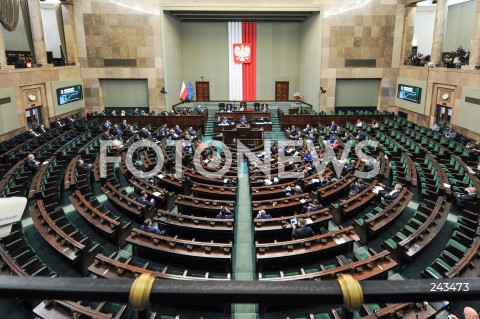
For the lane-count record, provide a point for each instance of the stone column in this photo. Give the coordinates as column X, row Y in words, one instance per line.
column 475, row 43
column 408, row 29
column 69, row 30
column 37, row 32
column 3, row 57
column 439, row 31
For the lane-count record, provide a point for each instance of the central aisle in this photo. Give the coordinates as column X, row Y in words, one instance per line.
column 243, row 260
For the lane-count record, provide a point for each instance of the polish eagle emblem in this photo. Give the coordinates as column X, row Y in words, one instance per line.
column 241, row 52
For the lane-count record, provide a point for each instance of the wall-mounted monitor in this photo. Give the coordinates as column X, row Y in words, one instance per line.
column 409, row 93
column 69, row 94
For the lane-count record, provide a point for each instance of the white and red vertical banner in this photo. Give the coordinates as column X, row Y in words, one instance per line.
column 242, row 62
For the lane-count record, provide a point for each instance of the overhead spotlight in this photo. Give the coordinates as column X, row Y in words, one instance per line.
column 163, row 90
column 322, row 90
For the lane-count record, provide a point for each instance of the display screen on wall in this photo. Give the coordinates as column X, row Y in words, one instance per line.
column 69, row 94
column 409, row 93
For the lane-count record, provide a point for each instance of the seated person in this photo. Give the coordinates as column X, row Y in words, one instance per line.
column 335, row 145
column 31, row 165
column 192, row 132
column 147, row 226
column 117, row 130
column 333, row 127
column 311, row 207
column 451, row 134
column 83, row 167
column 178, row 130
column 389, row 193
column 225, row 213
column 122, row 113
column 69, row 120
column 375, row 124
column 302, row 231
column 469, row 195
column 131, row 130
column 262, row 214
column 174, row 135
column 324, row 182
column 143, row 199
column 436, row 128
column 106, row 135
column 114, row 113
column 58, row 123
column 359, row 123
column 144, row 133
column 361, row 136
column 350, row 168
column 32, row 134
column 243, row 120
column 264, row 107
column 225, row 121
column 356, row 187
column 123, row 125
column 107, row 125
column 41, row 129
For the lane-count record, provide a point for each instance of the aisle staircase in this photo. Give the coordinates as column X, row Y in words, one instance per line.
column 244, row 258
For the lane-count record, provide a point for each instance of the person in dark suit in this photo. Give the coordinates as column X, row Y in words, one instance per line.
column 225, row 213
column 263, row 215
column 69, row 120
column 333, row 127
column 123, row 125
column 361, row 135
column 147, row 226
column 31, row 165
column 389, row 193
column 83, row 167
column 116, row 130
column 311, row 207
column 58, row 123
column 350, row 168
column 42, row 129
column 469, row 195
column 131, row 131
column 143, row 199
column 302, row 231
column 359, row 185
column 144, row 133
column 178, row 130
column 192, row 132
column 32, row 134
column 106, row 135
column 107, row 125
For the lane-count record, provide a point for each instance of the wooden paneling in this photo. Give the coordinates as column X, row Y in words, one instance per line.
column 203, row 91
column 281, row 90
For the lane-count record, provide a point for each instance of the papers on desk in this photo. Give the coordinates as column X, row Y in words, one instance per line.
column 376, row 189
column 303, row 201
column 446, row 185
column 156, row 194
column 160, row 176
column 340, row 240
column 315, row 180
column 308, row 221
column 45, row 163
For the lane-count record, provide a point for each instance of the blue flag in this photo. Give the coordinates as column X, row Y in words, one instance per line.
column 190, row 91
